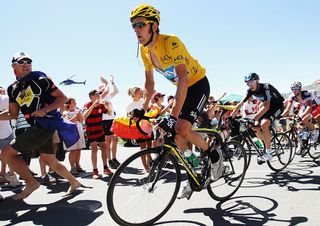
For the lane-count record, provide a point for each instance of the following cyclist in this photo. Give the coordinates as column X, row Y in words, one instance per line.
column 270, row 108
column 168, row 55
column 306, row 99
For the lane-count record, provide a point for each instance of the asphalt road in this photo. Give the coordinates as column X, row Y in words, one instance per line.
column 291, row 197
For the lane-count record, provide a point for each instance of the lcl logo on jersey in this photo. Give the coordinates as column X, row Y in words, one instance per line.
column 25, row 97
column 165, row 59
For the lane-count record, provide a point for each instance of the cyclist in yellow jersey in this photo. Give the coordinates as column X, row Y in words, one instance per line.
column 168, row 55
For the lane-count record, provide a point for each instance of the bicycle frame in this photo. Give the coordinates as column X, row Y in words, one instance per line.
column 294, row 131
column 245, row 136
column 190, row 169
column 170, row 146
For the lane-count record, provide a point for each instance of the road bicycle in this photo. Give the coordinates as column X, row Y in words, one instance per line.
column 307, row 141
column 299, row 143
column 139, row 197
column 281, row 147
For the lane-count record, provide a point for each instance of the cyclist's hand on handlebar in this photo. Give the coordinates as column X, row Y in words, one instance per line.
column 168, row 124
column 253, row 123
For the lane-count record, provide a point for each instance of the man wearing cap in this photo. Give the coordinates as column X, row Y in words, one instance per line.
column 36, row 96
column 93, row 111
column 157, row 100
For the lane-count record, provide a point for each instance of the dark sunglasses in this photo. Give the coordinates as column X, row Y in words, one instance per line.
column 250, row 82
column 293, row 89
column 141, row 24
column 23, row 61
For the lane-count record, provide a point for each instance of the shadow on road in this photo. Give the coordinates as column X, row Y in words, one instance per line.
column 179, row 222
column 58, row 213
column 295, row 178
column 242, row 212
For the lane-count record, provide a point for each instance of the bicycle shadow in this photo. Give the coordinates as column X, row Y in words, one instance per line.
column 300, row 173
column 246, row 210
column 61, row 212
column 182, row 222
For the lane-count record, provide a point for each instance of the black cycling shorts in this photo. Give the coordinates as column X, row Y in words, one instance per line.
column 196, row 99
column 106, row 124
column 273, row 113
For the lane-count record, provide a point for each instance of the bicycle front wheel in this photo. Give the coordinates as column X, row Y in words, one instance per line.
column 235, row 166
column 138, row 197
column 294, row 142
column 313, row 142
column 281, row 150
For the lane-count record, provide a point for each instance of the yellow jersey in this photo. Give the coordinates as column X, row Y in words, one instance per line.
column 170, row 51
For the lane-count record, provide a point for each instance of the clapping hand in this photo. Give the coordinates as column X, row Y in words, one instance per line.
column 111, row 79
column 103, row 80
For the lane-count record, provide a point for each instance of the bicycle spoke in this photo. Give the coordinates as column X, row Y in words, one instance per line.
column 136, row 198
column 281, row 151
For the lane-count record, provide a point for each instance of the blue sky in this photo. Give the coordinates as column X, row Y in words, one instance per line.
column 279, row 40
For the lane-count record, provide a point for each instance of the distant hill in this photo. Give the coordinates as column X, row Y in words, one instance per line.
column 314, row 86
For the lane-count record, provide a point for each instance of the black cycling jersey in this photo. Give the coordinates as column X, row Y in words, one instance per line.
column 266, row 92
column 31, row 93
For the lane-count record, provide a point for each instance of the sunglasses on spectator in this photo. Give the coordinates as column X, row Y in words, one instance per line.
column 140, row 24
column 293, row 89
column 23, row 61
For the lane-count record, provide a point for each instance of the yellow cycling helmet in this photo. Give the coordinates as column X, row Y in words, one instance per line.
column 145, row 11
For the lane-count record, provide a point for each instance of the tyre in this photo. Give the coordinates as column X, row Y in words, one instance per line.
column 235, row 166
column 247, row 147
column 294, row 142
column 313, row 143
column 281, row 150
column 136, row 197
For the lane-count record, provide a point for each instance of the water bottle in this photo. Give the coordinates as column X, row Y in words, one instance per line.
column 305, row 135
column 192, row 158
column 258, row 142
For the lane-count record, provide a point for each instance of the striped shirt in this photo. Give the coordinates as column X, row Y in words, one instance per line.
column 93, row 122
column 21, row 122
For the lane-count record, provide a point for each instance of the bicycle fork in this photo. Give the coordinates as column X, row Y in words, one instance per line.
column 159, row 163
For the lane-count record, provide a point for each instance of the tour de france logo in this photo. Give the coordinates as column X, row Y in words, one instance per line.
column 25, row 97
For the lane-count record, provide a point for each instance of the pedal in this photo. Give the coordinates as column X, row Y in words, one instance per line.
column 189, row 196
column 260, row 162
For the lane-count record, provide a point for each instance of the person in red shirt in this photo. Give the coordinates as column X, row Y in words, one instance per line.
column 93, row 111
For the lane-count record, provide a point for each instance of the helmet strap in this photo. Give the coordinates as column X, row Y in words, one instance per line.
column 258, row 85
column 151, row 38
column 298, row 93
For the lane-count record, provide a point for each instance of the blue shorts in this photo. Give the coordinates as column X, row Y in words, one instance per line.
column 5, row 141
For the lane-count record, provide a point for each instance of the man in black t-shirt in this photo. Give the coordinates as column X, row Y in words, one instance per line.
column 36, row 96
column 271, row 107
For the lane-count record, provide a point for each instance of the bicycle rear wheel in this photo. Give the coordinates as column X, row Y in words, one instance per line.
column 136, row 197
column 313, row 143
column 235, row 164
column 281, row 150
